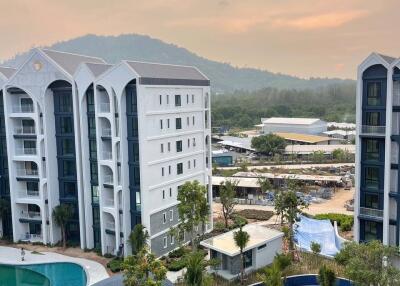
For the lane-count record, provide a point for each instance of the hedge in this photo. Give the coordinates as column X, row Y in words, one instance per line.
column 345, row 222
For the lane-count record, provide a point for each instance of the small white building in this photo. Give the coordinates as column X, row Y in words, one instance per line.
column 263, row 245
column 341, row 134
column 293, row 125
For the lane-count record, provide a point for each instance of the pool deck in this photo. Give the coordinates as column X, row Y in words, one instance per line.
column 95, row 272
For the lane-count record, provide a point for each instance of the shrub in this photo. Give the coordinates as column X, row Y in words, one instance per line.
column 283, row 260
column 178, row 253
column 255, row 214
column 326, row 276
column 219, row 225
column 345, row 222
column 115, row 265
column 108, row 255
column 176, row 265
column 315, row 247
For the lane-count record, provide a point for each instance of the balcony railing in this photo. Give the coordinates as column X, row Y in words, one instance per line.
column 368, row 129
column 110, row 225
column 23, row 108
column 26, row 130
column 371, row 212
column 32, row 237
column 31, row 215
column 27, row 173
column 104, row 107
column 107, row 155
column 29, row 194
column 108, row 179
column 106, row 132
column 108, row 202
column 26, row 151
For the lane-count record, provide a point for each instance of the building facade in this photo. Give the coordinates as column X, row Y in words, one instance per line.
column 113, row 141
column 377, row 205
column 312, row 126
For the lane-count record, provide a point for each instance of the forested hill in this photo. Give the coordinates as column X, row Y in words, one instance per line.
column 244, row 109
column 224, row 77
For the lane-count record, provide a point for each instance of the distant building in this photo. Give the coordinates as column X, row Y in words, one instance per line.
column 341, row 134
column 306, row 139
column 292, row 125
column 341, row 125
column 223, row 158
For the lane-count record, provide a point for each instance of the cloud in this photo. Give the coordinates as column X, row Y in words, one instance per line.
column 321, row 21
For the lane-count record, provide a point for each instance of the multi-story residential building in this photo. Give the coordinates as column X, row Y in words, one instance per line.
column 5, row 218
column 113, row 141
column 377, row 199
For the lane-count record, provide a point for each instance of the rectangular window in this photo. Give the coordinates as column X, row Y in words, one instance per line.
column 188, row 141
column 374, row 93
column 160, row 96
column 193, row 120
column 372, row 149
column 178, row 100
column 169, row 146
column 164, row 218
column 67, row 146
column 168, row 123
column 165, row 240
column 161, row 124
column 187, row 121
column 188, row 164
column 169, row 170
column 167, row 98
column 178, row 123
column 65, row 102
column 172, row 240
column 372, row 201
column 194, row 142
column 70, row 190
column 373, row 119
column 261, row 247
column 194, row 163
column 68, row 168
column 162, row 148
column 179, row 146
column 372, row 177
column 171, row 215
column 163, row 194
column 179, row 168
column 187, row 98
column 162, row 171
column 170, row 192
column 66, row 125
column 192, row 98
column 248, row 259
column 371, row 230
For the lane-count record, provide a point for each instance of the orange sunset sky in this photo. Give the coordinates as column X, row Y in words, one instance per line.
column 298, row 37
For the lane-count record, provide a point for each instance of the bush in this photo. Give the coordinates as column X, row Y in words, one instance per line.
column 345, row 222
column 178, row 253
column 315, row 247
column 176, row 265
column 115, row 265
column 326, row 276
column 219, row 225
column 283, row 260
column 255, row 214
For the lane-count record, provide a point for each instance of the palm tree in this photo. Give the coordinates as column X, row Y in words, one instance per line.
column 194, row 269
column 241, row 239
column 62, row 214
column 272, row 275
column 138, row 238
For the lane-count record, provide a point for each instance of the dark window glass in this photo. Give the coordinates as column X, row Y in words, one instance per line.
column 66, row 125
column 135, row 152
column 68, row 146
column 372, row 149
column 134, row 132
column 371, row 231
column 69, row 189
column 372, row 177
column 373, row 119
column 32, row 187
column 93, row 172
column 29, row 144
column 178, row 123
column 178, row 100
column 248, row 259
column 68, row 168
column 93, row 149
column 26, row 105
column 95, row 194
column 179, row 146
column 374, row 93
column 92, row 126
column 136, row 176
column 179, row 168
column 65, row 102
column 90, row 101
column 372, row 201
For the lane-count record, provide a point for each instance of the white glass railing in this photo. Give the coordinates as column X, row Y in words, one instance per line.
column 368, row 129
column 27, row 172
column 26, row 151
column 371, row 212
column 29, row 194
column 110, row 225
column 26, row 130
column 31, row 215
column 106, row 132
column 108, row 179
column 32, row 237
column 104, row 107
column 107, row 155
column 108, row 202
column 22, row 108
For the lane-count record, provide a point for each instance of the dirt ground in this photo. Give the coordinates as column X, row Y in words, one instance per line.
column 334, row 205
column 70, row 251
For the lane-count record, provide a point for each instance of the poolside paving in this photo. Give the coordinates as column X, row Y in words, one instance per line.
column 95, row 272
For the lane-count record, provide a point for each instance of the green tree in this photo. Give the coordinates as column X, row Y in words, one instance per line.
column 363, row 263
column 61, row 215
column 241, row 239
column 326, row 276
column 269, row 144
column 272, row 275
column 291, row 207
column 193, row 210
column 227, row 195
column 318, row 156
column 138, row 238
column 264, row 184
column 196, row 273
column 315, row 247
column 143, row 269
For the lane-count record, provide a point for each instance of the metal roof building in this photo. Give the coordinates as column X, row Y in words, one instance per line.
column 293, row 125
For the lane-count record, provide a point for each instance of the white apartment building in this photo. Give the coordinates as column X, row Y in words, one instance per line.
column 113, row 141
column 377, row 199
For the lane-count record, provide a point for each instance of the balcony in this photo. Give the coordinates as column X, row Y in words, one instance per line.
column 26, row 130
column 104, row 107
column 30, row 215
column 29, row 194
column 27, row 172
column 108, row 203
column 374, row 213
column 108, row 180
column 23, row 108
column 107, row 155
column 373, row 130
column 29, row 151
column 110, row 226
column 106, row 132
column 31, row 237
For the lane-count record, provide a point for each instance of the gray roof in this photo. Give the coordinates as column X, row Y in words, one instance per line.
column 154, row 73
column 98, row 69
column 7, row 72
column 70, row 62
column 388, row 59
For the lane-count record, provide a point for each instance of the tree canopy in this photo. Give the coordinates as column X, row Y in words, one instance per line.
column 269, row 144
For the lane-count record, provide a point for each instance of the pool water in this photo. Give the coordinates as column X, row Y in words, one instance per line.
column 46, row 274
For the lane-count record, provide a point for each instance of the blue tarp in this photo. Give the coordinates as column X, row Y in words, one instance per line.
column 308, row 230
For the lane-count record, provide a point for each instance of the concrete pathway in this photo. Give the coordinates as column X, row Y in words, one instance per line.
column 95, row 272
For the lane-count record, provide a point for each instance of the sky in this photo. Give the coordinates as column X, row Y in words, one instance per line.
column 305, row 38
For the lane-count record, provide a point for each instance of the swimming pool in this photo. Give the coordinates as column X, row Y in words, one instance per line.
column 46, row 274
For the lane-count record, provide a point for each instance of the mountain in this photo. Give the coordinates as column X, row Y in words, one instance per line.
column 224, row 77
